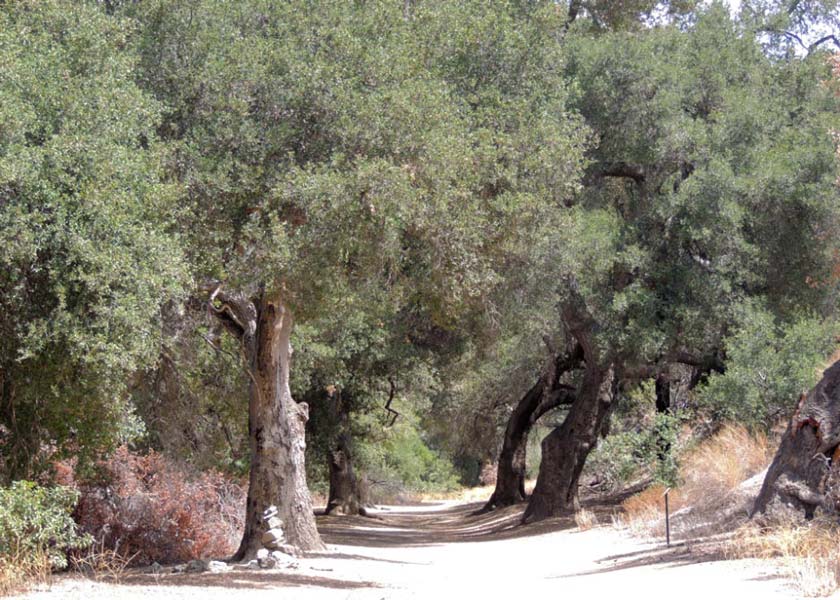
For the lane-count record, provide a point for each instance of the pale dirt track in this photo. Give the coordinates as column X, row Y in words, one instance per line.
column 441, row 551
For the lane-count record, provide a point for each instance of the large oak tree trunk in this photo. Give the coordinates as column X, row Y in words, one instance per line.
column 565, row 450
column 803, row 477
column 545, row 395
column 344, row 497
column 276, row 423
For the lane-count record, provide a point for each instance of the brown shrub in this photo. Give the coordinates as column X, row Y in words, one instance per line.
column 147, row 508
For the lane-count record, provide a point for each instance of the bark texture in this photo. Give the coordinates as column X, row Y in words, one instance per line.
column 276, row 423
column 566, row 448
column 345, row 496
column 803, row 477
column 547, row 394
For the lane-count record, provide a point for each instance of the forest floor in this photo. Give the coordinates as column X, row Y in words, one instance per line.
column 440, row 550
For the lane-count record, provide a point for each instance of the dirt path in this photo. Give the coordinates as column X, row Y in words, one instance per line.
column 442, row 551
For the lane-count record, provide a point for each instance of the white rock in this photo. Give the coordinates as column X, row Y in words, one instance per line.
column 273, row 537
column 268, row 562
column 287, row 549
column 217, row 566
column 284, row 561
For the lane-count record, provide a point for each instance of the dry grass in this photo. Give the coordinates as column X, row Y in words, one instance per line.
column 19, row 572
column 101, row 563
column 643, row 514
column 585, row 519
column 476, row 494
column 709, row 473
column 721, row 463
column 810, row 552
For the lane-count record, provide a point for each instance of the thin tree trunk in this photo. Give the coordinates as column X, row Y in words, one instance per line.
column 276, row 423
column 574, row 9
column 344, row 497
column 804, row 476
column 663, row 406
column 510, row 474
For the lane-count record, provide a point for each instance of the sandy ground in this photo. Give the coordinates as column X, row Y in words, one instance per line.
column 441, row 551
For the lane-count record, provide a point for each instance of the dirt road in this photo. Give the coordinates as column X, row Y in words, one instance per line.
column 441, row 552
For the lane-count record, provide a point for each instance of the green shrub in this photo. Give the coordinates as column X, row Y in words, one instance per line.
column 404, row 462
column 652, row 449
column 37, row 519
column 769, row 364
column 36, row 531
column 616, row 460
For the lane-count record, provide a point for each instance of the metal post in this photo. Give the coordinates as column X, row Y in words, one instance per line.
column 667, row 521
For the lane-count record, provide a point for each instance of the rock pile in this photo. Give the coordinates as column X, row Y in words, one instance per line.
column 274, row 537
column 276, row 553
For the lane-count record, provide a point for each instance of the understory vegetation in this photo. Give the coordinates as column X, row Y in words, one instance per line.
column 327, row 255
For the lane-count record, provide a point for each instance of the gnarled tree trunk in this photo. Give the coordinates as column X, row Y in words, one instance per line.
column 276, row 423
column 510, row 474
column 344, row 497
column 803, row 477
column 565, row 450
column 545, row 395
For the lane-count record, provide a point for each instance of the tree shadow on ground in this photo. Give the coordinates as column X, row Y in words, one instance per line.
column 678, row 554
column 434, row 526
column 429, row 525
column 244, row 578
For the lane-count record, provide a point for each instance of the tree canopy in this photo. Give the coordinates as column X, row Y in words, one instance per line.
column 446, row 207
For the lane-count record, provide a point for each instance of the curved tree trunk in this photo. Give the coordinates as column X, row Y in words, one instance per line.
column 545, row 395
column 345, row 496
column 803, row 477
column 276, row 423
column 510, row 474
column 565, row 450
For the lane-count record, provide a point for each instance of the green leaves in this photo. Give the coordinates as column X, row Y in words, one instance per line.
column 718, row 165
column 769, row 364
column 87, row 256
column 36, row 520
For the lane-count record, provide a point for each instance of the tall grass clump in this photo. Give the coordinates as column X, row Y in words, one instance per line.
column 809, row 552
column 706, row 478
